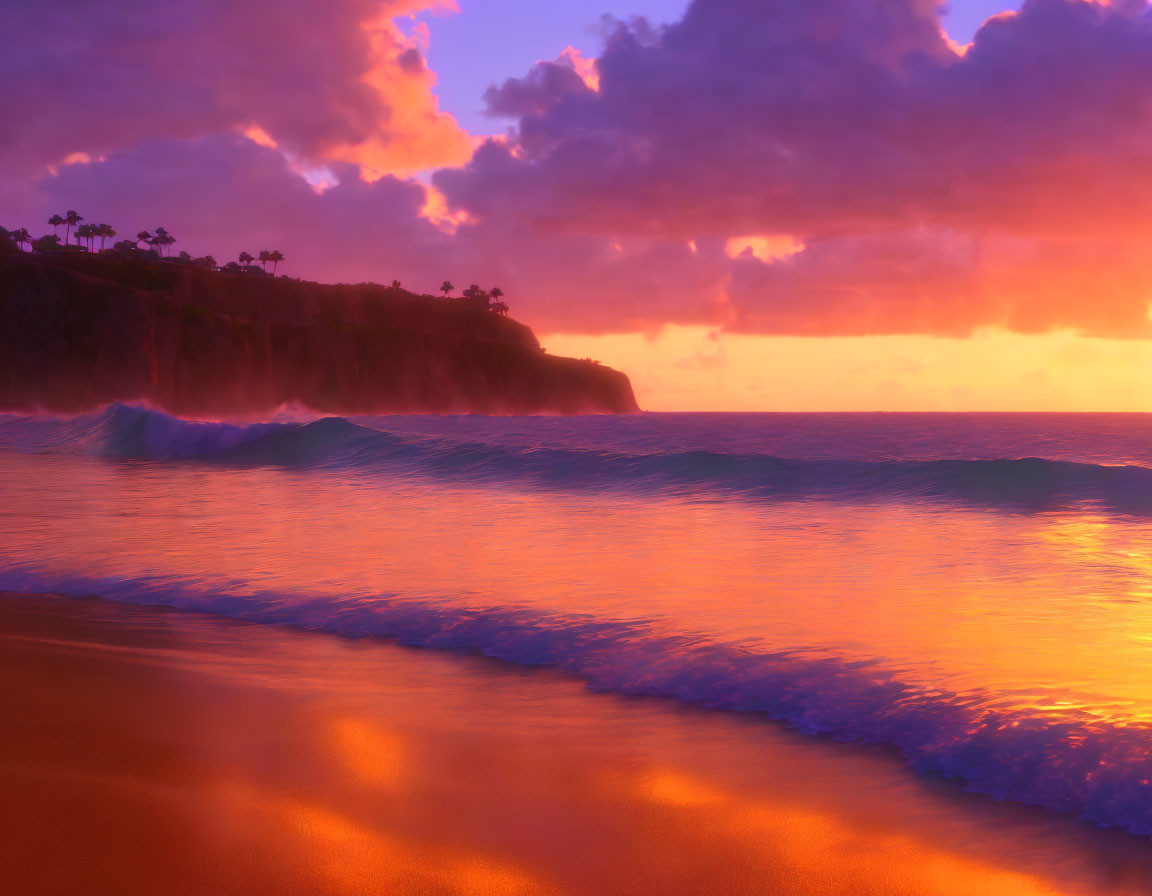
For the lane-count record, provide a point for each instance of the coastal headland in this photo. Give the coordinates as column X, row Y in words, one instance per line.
column 81, row 330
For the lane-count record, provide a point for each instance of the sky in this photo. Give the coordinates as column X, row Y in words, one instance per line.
column 744, row 204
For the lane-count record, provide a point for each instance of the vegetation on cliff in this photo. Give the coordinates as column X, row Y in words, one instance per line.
column 159, row 249
column 81, row 329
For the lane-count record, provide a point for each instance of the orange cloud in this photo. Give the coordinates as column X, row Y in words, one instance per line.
column 418, row 135
column 583, row 66
column 765, row 248
column 436, row 211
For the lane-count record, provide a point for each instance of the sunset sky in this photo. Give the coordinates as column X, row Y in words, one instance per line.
column 745, row 204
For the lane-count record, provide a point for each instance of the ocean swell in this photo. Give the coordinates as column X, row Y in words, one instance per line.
column 1030, row 483
column 1089, row 768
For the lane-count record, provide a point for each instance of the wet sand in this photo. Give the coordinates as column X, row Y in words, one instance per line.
column 153, row 751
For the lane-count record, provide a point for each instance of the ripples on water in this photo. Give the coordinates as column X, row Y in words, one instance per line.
column 971, row 589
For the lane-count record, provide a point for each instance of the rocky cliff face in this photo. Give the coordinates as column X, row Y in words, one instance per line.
column 79, row 332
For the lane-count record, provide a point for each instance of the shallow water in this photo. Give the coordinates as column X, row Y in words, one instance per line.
column 973, row 590
column 157, row 751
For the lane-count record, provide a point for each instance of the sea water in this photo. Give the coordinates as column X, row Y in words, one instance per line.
column 973, row 591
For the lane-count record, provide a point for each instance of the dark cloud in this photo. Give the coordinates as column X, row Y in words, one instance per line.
column 547, row 85
column 826, row 117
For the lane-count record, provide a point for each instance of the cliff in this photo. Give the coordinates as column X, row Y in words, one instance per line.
column 78, row 332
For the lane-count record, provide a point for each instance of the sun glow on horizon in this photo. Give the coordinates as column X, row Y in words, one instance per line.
column 700, row 368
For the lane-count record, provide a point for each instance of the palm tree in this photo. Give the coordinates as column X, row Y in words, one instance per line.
column 105, row 232
column 70, row 220
column 83, row 232
column 56, row 221
column 275, row 256
column 496, row 292
column 162, row 239
column 446, row 287
column 143, row 237
column 21, row 236
column 246, row 259
column 502, row 308
column 265, row 257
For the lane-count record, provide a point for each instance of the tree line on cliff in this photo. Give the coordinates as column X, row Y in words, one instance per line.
column 159, row 243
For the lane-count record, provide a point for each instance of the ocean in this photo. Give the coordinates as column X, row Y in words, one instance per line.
column 970, row 591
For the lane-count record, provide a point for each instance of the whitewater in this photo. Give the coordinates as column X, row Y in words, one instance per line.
column 973, row 591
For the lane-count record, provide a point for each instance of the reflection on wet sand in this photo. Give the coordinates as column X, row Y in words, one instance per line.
column 152, row 751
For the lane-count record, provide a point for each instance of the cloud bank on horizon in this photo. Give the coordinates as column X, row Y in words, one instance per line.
column 787, row 167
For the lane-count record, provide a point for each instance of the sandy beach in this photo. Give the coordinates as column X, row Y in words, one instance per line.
column 156, row 751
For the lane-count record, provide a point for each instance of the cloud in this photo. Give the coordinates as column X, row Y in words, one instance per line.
column 804, row 167
column 820, row 117
column 225, row 194
column 859, row 130
column 329, row 80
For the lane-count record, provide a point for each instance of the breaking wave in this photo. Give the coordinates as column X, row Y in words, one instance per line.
column 1086, row 767
column 1028, row 483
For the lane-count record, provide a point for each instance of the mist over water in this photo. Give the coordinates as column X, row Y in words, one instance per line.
column 972, row 590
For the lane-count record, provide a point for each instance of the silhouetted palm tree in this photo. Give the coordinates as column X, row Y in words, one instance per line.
column 70, row 220
column 163, row 238
column 21, row 236
column 502, row 308
column 105, row 232
column 265, row 257
column 275, row 256
column 143, row 237
column 497, row 293
column 83, row 232
column 246, row 258
column 446, row 287
column 55, row 221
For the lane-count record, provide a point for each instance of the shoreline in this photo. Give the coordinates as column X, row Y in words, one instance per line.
column 161, row 750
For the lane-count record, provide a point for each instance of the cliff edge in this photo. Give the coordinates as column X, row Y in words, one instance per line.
column 81, row 331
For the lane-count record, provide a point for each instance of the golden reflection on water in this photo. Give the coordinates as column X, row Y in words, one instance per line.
column 347, row 856
column 1038, row 612
column 371, row 751
column 798, row 840
column 247, row 759
column 262, row 761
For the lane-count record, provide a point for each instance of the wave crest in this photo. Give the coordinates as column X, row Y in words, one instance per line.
column 1094, row 770
column 1029, row 483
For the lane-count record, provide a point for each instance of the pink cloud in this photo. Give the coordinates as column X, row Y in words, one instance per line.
column 326, row 79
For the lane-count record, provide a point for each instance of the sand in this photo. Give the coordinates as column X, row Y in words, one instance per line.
column 151, row 751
